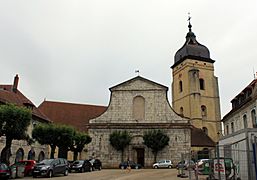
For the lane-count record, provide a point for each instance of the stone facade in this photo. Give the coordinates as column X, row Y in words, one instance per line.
column 21, row 150
column 138, row 105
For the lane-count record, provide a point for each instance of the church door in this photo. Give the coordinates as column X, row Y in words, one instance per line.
column 141, row 156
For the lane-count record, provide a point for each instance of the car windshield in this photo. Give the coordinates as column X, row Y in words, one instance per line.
column 3, row 166
column 46, row 161
column 78, row 162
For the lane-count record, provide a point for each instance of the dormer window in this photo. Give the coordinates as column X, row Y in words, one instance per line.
column 28, row 105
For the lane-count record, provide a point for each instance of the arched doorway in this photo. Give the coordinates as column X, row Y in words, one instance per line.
column 41, row 156
column 19, row 155
column 31, row 154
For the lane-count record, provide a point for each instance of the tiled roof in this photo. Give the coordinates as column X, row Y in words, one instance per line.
column 76, row 115
column 200, row 139
column 7, row 95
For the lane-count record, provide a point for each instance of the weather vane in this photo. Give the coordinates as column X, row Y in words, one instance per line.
column 189, row 18
column 137, row 71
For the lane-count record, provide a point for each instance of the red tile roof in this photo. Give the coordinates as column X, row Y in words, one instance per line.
column 7, row 95
column 200, row 139
column 76, row 115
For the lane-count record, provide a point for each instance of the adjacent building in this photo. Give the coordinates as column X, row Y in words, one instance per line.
column 20, row 149
column 76, row 115
column 240, row 136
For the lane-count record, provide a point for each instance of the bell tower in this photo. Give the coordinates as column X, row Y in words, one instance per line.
column 195, row 91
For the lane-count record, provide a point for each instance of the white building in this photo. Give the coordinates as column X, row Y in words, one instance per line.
column 240, row 125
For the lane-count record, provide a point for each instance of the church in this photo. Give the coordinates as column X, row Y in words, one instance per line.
column 139, row 105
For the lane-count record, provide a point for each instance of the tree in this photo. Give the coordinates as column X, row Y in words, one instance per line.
column 120, row 140
column 46, row 134
column 156, row 140
column 79, row 141
column 14, row 121
column 65, row 139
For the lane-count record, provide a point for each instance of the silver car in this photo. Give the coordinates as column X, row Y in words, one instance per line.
column 163, row 164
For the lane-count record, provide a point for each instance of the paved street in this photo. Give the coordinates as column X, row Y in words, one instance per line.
column 117, row 174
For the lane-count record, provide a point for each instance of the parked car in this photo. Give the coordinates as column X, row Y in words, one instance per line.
column 201, row 161
column 163, row 164
column 96, row 163
column 5, row 171
column 81, row 166
column 185, row 164
column 28, row 164
column 51, row 167
column 133, row 165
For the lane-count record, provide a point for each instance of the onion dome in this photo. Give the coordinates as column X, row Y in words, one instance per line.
column 192, row 49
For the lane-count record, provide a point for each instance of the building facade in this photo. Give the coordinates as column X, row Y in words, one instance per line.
column 138, row 105
column 20, row 149
column 195, row 87
column 240, row 135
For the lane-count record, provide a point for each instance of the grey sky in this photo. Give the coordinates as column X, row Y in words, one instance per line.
column 74, row 51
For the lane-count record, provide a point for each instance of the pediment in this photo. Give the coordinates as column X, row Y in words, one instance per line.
column 138, row 83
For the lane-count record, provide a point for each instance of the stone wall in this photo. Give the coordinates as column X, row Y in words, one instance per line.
column 122, row 114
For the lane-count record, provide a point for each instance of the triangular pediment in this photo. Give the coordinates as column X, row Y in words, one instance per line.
column 139, row 83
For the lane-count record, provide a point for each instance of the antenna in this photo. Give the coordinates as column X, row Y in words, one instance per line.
column 254, row 74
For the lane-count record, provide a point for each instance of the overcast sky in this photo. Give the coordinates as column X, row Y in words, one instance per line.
column 74, row 51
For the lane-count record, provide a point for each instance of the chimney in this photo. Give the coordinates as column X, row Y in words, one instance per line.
column 15, row 83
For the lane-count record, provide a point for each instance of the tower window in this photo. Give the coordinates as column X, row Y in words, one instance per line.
column 227, row 129
column 181, row 111
column 201, row 81
column 180, row 86
column 204, row 111
column 205, row 130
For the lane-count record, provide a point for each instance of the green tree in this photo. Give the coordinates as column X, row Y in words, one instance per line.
column 79, row 141
column 46, row 134
column 156, row 140
column 65, row 139
column 14, row 121
column 120, row 140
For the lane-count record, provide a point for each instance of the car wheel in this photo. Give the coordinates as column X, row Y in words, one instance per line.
column 66, row 172
column 169, row 166
column 82, row 170
column 34, row 176
column 50, row 174
column 100, row 167
column 156, row 167
column 122, row 167
column 136, row 167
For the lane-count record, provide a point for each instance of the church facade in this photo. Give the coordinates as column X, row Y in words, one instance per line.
column 137, row 106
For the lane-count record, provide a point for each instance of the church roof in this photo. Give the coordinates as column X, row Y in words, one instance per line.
column 76, row 115
column 192, row 49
